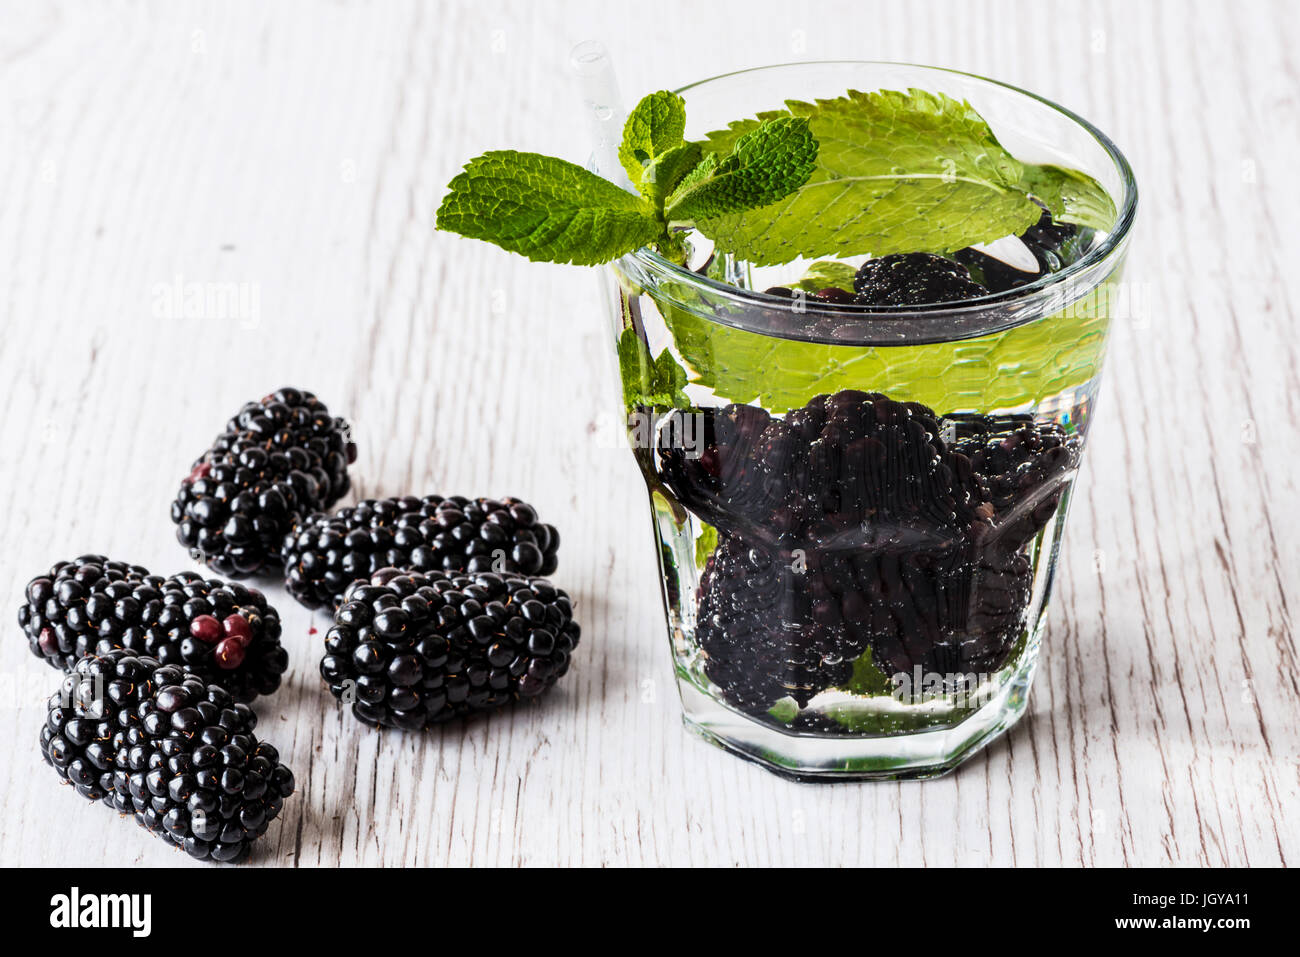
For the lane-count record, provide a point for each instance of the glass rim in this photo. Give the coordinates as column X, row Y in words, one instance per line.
column 965, row 311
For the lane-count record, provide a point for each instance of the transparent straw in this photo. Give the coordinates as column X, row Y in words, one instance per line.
column 594, row 73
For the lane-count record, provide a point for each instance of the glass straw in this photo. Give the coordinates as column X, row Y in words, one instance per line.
column 591, row 66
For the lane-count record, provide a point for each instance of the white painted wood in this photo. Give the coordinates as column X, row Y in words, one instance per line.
column 302, row 148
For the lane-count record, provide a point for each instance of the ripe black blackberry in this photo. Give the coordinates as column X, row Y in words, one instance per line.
column 411, row 649
column 913, row 279
column 909, row 531
column 817, row 475
column 776, row 624
column 325, row 553
column 279, row 458
column 1020, row 467
column 710, row 460
column 224, row 633
column 952, row 612
column 156, row 742
column 1053, row 245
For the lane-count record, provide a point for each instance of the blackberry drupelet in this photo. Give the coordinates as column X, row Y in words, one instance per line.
column 224, row 633
column 776, row 625
column 279, row 458
column 325, row 553
column 410, row 649
column 156, row 742
column 913, row 279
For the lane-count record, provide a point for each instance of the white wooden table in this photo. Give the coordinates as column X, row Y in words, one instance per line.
column 302, row 149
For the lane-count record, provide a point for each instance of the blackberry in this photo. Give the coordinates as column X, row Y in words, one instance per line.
column 861, row 522
column 913, row 279
column 1053, row 245
column 710, row 458
column 776, row 625
column 947, row 611
column 157, row 742
column 817, row 475
column 324, row 553
column 410, row 649
column 280, row 457
column 224, row 633
column 1020, row 473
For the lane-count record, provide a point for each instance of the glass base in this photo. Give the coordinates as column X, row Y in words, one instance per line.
column 815, row 758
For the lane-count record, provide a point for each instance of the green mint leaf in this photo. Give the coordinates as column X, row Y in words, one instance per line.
column 546, row 209
column 896, row 172
column 663, row 173
column 825, row 274
column 655, row 125
column 867, row 679
column 705, row 545
column 766, row 164
column 649, row 382
column 785, row 710
column 700, row 174
column 1037, row 359
column 1071, row 196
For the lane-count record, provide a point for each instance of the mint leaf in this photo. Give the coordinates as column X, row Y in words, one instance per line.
column 663, row 173
column 867, row 679
column 649, row 382
column 1035, row 360
column 896, row 172
column 785, row 710
column 766, row 164
column 826, row 274
column 547, row 209
column 705, row 545
column 1071, row 196
column 655, row 125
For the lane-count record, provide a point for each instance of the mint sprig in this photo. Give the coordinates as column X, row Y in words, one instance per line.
column 827, row 273
column 551, row 210
column 865, row 173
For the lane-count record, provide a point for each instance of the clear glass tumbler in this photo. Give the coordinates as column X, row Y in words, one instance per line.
column 858, row 513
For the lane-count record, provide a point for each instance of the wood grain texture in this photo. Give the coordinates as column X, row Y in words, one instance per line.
column 301, row 148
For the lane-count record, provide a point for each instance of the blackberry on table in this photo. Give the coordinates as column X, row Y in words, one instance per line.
column 223, row 632
column 279, row 458
column 157, row 742
column 913, row 279
column 324, row 553
column 410, row 649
